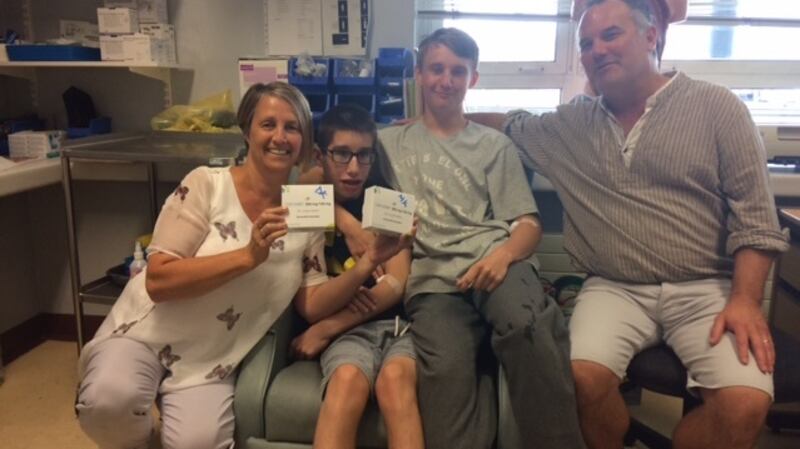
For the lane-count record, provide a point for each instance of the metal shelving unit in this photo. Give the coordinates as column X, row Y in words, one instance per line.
column 147, row 150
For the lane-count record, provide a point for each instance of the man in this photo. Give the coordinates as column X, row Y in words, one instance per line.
column 371, row 351
column 473, row 274
column 664, row 185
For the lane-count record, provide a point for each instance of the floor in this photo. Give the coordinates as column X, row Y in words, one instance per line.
column 37, row 396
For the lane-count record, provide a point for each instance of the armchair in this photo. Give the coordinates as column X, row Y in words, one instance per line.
column 277, row 401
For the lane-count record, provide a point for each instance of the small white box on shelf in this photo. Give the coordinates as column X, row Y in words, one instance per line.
column 143, row 48
column 85, row 33
column 153, row 11
column 166, row 35
column 387, row 211
column 310, row 206
column 112, row 48
column 117, row 20
column 34, row 144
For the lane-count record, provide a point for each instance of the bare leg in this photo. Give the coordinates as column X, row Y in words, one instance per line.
column 345, row 400
column 730, row 418
column 396, row 391
column 601, row 409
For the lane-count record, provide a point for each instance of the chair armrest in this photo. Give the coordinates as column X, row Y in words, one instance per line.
column 256, row 373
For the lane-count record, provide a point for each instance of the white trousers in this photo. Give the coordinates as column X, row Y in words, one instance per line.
column 116, row 396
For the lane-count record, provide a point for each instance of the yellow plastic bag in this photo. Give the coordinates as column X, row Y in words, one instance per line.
column 214, row 114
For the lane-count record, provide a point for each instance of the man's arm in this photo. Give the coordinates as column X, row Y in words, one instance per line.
column 489, row 272
column 742, row 315
column 383, row 295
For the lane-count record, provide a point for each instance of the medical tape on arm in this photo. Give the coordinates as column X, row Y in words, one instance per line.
column 530, row 221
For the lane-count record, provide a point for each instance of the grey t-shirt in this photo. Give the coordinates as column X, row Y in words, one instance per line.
column 468, row 188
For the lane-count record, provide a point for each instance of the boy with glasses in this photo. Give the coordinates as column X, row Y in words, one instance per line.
column 373, row 351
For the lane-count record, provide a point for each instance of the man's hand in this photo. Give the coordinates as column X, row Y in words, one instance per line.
column 310, row 344
column 488, row 273
column 743, row 317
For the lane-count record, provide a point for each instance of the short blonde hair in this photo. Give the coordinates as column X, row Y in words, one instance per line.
column 295, row 99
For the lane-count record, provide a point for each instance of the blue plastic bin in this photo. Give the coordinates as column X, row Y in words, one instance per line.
column 52, row 53
column 311, row 84
column 99, row 125
column 352, row 84
column 366, row 101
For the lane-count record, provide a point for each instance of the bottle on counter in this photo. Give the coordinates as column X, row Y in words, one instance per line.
column 138, row 263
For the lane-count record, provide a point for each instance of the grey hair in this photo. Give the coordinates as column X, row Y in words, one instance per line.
column 289, row 94
column 641, row 11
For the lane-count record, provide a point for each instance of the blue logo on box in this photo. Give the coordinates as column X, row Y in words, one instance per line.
column 403, row 200
column 321, row 192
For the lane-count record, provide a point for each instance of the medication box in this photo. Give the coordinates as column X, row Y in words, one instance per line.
column 117, row 20
column 112, row 48
column 35, row 144
column 387, row 211
column 310, row 206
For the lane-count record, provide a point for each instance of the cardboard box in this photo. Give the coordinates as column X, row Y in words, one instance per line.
column 112, row 48
column 310, row 207
column 166, row 34
column 35, row 144
column 259, row 70
column 153, row 11
column 117, row 20
column 86, row 33
column 141, row 48
column 387, row 211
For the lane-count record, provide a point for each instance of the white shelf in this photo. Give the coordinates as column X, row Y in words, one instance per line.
column 26, row 70
column 29, row 175
column 21, row 69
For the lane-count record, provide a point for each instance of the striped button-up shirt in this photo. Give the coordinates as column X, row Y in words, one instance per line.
column 673, row 207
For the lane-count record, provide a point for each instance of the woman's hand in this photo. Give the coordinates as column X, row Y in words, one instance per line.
column 269, row 226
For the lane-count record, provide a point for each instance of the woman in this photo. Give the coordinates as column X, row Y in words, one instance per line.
column 222, row 269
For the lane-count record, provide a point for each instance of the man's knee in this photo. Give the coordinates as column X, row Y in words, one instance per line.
column 593, row 381
column 396, row 384
column 742, row 410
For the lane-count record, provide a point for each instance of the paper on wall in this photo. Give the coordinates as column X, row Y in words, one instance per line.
column 294, row 27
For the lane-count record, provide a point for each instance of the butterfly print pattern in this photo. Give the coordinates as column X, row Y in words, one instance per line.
column 227, row 230
column 181, row 191
column 309, row 263
column 220, row 372
column 166, row 356
column 229, row 317
column 278, row 244
column 124, row 327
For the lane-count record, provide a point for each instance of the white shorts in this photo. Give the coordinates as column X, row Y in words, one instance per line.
column 613, row 321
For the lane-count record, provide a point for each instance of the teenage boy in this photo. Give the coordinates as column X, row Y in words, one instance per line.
column 373, row 351
column 473, row 273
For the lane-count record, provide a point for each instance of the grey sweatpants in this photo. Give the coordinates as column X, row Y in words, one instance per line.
column 529, row 338
column 117, row 393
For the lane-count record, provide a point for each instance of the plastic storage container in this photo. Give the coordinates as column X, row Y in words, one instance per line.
column 311, row 84
column 99, row 125
column 353, row 76
column 52, row 53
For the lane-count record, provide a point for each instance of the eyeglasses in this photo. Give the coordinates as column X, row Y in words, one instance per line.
column 364, row 157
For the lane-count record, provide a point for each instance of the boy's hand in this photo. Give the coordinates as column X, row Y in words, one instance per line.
column 384, row 247
column 362, row 302
column 310, row 344
column 358, row 242
column 488, row 273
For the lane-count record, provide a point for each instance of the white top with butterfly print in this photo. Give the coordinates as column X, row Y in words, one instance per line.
column 203, row 339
